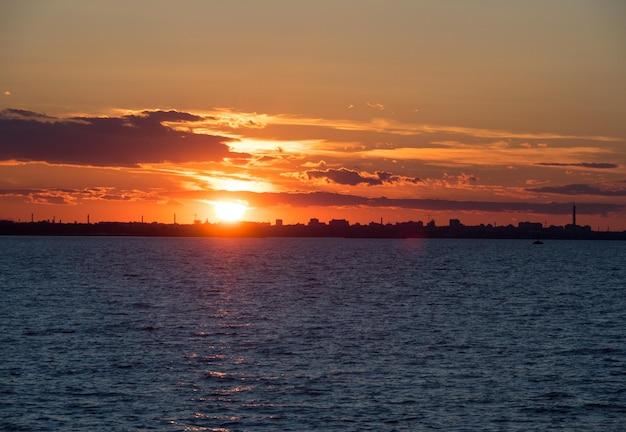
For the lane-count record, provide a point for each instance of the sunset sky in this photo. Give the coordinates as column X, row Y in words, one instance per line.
column 487, row 111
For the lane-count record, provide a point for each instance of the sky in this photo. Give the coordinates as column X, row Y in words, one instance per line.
column 403, row 110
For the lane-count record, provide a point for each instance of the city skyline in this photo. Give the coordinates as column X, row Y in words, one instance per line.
column 238, row 221
column 484, row 112
column 455, row 229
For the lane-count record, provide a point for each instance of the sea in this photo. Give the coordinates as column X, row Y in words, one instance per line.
column 311, row 334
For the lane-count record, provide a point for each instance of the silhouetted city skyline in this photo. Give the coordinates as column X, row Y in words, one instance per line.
column 313, row 228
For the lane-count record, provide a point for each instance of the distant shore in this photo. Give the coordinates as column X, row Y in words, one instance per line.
column 335, row 228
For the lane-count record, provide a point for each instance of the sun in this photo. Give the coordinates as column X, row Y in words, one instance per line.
column 228, row 211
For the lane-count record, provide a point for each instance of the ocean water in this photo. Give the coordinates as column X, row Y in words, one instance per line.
column 316, row 334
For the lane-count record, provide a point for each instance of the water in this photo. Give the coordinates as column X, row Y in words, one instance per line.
column 173, row 334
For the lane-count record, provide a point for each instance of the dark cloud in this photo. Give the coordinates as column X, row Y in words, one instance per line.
column 51, row 199
column 594, row 165
column 112, row 141
column 167, row 116
column 343, row 176
column 613, row 189
column 14, row 192
column 349, row 177
column 326, row 199
column 12, row 113
column 387, row 177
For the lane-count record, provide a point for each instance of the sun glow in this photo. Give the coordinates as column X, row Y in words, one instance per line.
column 228, row 211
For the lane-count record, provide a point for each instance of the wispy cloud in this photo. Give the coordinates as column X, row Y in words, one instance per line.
column 592, row 165
column 43, row 196
column 485, row 154
column 401, row 128
column 70, row 196
column 612, row 189
column 385, row 138
column 375, row 105
column 227, row 121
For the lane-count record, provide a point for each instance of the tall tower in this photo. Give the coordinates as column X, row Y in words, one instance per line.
column 574, row 214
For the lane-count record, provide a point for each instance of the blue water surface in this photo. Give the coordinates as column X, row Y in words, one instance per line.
column 224, row 334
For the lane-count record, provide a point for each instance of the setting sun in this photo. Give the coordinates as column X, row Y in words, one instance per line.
column 229, row 211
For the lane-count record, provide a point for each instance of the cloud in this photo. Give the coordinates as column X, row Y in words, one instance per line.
column 43, row 196
column 614, row 189
column 395, row 127
column 128, row 140
column 342, row 176
column 312, row 199
column 321, row 164
column 345, row 176
column 73, row 196
column 19, row 114
column 386, row 138
column 378, row 106
column 388, row 177
column 461, row 180
column 328, row 199
column 594, row 165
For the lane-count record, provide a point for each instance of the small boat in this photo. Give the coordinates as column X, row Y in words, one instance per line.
column 537, row 242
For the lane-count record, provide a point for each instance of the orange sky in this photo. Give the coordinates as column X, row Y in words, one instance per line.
column 486, row 111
